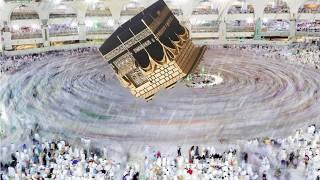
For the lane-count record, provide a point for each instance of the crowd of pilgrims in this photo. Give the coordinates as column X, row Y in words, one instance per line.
column 308, row 26
column 299, row 53
column 302, row 53
column 10, row 64
column 294, row 157
column 62, row 29
column 54, row 159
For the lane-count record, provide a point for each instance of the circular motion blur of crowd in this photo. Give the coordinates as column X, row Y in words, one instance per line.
column 10, row 64
column 303, row 53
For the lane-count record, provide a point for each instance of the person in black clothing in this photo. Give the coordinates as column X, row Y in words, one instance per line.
column 245, row 157
column 85, row 154
column 136, row 176
column 291, row 157
column 179, row 151
column 44, row 160
column 50, row 174
column 207, row 153
column 14, row 160
column 196, row 153
column 264, row 176
column 1, row 166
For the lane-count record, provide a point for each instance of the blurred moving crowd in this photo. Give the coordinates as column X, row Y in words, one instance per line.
column 297, row 53
column 11, row 64
column 294, row 157
column 302, row 53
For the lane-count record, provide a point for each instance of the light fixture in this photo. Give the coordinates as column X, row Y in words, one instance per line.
column 265, row 20
column 89, row 23
column 15, row 27
column 73, row 24
column 90, row 1
column 249, row 20
column 110, row 22
column 56, row 1
column 62, row 7
column 35, row 26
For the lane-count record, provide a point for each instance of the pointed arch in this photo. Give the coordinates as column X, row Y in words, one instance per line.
column 132, row 8
column 277, row 6
column 309, row 6
column 63, row 20
column 174, row 7
column 23, row 12
column 63, row 10
column 206, row 7
column 98, row 19
column 240, row 7
column 98, row 9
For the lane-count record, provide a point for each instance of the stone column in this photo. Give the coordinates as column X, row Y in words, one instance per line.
column 292, row 29
column 82, row 31
column 117, row 24
column 257, row 33
column 45, row 32
column 7, row 37
column 222, row 30
column 1, row 49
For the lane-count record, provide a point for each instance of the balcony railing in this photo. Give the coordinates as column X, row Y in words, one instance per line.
column 62, row 16
column 204, row 11
column 15, row 36
column 240, row 11
column 240, row 29
column 98, row 13
column 199, row 29
column 18, row 1
column 66, row 33
column 18, row 16
column 308, row 33
column 131, row 12
column 276, row 10
column 276, row 33
column 100, row 31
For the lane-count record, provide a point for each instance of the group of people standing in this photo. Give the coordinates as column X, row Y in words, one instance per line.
column 295, row 157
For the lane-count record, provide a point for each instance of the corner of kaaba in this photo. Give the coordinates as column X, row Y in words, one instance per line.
column 151, row 51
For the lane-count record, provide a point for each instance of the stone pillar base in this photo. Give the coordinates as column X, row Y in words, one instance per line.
column 222, row 31
column 292, row 30
column 8, row 47
column 82, row 32
column 46, row 44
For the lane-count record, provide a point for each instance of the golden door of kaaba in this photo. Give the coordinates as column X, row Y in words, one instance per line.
column 151, row 51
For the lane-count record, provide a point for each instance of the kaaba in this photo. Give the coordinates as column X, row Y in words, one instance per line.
column 151, row 51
